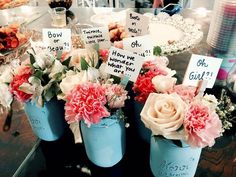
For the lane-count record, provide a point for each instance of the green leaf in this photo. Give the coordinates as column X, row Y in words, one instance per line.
column 157, row 51
column 92, row 61
column 116, row 79
column 57, row 76
column 84, row 64
column 96, row 47
column 59, row 54
column 38, row 74
column 49, row 93
column 32, row 59
column 66, row 62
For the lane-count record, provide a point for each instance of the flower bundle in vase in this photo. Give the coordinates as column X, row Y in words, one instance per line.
column 182, row 121
column 94, row 100
column 144, row 86
column 36, row 84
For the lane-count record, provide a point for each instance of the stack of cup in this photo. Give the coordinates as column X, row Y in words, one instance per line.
column 222, row 35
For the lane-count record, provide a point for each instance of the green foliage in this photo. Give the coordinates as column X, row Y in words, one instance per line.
column 84, row 64
column 157, row 51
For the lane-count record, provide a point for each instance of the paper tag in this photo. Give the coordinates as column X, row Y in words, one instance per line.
column 202, row 68
column 141, row 45
column 121, row 62
column 136, row 24
column 57, row 39
column 98, row 35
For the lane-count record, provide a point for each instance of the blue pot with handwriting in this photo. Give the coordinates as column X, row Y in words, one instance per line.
column 47, row 122
column 104, row 142
column 143, row 131
column 167, row 159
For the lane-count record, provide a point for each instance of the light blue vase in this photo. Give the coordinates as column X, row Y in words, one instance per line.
column 143, row 131
column 104, row 142
column 47, row 122
column 168, row 159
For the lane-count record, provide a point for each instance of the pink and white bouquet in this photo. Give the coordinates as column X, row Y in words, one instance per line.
column 144, row 86
column 89, row 92
column 38, row 77
column 178, row 112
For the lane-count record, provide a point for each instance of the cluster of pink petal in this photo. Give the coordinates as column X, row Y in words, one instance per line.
column 187, row 93
column 152, row 66
column 202, row 125
column 143, row 85
column 23, row 76
column 86, row 102
column 104, row 54
column 116, row 95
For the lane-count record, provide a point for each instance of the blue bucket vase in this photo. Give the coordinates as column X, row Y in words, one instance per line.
column 168, row 159
column 104, row 142
column 142, row 130
column 47, row 122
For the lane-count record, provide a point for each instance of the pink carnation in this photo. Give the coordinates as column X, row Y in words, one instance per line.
column 202, row 125
column 104, row 54
column 152, row 66
column 86, row 102
column 116, row 95
column 23, row 75
column 144, row 86
column 187, row 93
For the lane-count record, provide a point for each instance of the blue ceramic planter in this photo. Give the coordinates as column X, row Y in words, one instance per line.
column 167, row 159
column 143, row 132
column 104, row 142
column 47, row 122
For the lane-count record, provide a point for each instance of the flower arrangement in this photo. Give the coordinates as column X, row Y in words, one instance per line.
column 38, row 77
column 89, row 92
column 143, row 85
column 179, row 112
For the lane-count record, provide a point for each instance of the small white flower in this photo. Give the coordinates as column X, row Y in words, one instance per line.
column 57, row 67
column 5, row 95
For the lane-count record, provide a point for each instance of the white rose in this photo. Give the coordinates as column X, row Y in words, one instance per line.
column 70, row 81
column 163, row 83
column 164, row 115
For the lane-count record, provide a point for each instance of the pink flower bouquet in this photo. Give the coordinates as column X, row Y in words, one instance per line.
column 38, row 77
column 90, row 93
column 143, row 85
column 179, row 113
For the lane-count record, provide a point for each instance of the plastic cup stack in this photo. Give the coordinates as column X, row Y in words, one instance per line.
column 222, row 35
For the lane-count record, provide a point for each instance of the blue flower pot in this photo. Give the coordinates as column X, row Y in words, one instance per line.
column 104, row 142
column 168, row 159
column 143, row 131
column 47, row 122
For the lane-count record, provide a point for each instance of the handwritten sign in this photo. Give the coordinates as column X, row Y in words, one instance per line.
column 140, row 45
column 202, row 68
column 98, row 35
column 121, row 62
column 136, row 24
column 57, row 39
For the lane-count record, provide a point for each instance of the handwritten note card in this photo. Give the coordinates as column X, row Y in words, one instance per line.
column 57, row 39
column 202, row 68
column 141, row 45
column 98, row 35
column 136, row 24
column 121, row 62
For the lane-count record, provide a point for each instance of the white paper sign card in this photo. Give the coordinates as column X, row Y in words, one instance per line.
column 141, row 45
column 121, row 62
column 57, row 39
column 99, row 35
column 202, row 68
column 136, row 24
